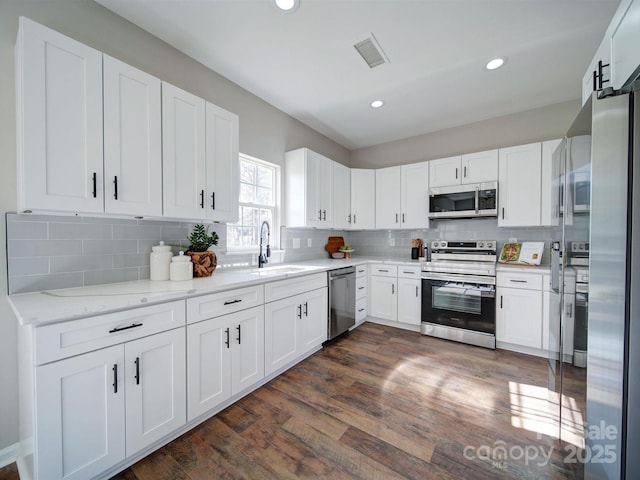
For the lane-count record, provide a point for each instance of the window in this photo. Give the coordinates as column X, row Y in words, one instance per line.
column 258, row 202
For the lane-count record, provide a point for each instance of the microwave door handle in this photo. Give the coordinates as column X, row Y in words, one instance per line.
column 477, row 198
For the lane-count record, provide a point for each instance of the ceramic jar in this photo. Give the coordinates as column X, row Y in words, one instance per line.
column 159, row 262
column 181, row 267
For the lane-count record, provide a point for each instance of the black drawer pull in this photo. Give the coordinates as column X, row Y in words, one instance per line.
column 361, row 309
column 120, row 329
column 231, row 302
column 518, row 281
column 380, row 270
column 137, row 377
column 360, row 288
column 115, row 378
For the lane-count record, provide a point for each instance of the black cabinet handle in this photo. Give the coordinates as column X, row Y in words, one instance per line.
column 324, row 215
column 403, row 218
column 360, row 288
column 239, row 334
column 120, row 329
column 231, row 302
column 500, row 301
column 465, row 172
column 115, row 187
column 227, row 341
column 396, row 218
column 213, row 200
column 416, row 291
column 393, row 289
column 94, row 179
column 201, row 198
column 349, row 218
column 320, row 214
column 600, row 74
column 115, row 378
column 137, row 362
column 306, row 308
column 456, row 173
column 503, row 213
column 361, row 310
column 299, row 314
column 595, row 81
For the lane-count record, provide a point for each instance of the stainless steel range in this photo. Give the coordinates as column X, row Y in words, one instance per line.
column 459, row 292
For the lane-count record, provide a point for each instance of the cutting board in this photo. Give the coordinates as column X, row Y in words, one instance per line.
column 333, row 244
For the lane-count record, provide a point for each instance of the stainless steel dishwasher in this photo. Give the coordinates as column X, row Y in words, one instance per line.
column 342, row 300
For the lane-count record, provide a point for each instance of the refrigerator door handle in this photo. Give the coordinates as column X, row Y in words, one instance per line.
column 555, row 267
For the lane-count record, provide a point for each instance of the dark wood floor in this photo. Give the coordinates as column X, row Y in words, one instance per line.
column 383, row 403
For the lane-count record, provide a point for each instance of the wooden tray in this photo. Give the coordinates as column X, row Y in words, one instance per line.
column 334, row 244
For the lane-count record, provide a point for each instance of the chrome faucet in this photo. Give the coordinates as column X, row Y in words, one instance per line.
column 262, row 258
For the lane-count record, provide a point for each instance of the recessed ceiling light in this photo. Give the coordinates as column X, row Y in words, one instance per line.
column 377, row 104
column 287, row 5
column 496, row 63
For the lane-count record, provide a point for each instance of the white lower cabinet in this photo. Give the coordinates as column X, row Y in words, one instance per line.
column 80, row 415
column 384, row 297
column 362, row 289
column 225, row 356
column 396, row 293
column 409, row 300
column 519, row 309
column 88, row 407
column 295, row 325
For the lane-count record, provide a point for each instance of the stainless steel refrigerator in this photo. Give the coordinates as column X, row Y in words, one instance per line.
column 613, row 341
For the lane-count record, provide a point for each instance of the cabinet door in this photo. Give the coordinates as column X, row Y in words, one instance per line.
column 341, row 196
column 281, row 337
column 550, row 183
column 363, row 199
column 59, row 83
column 388, row 197
column 313, row 190
column 480, row 167
column 383, row 298
column 414, row 195
column 519, row 317
column 625, row 55
column 132, row 140
column 519, row 185
column 208, row 365
column 314, row 321
column 223, row 164
column 183, row 154
column 325, row 190
column 155, row 379
column 409, row 300
column 444, row 172
column 247, row 352
column 80, row 414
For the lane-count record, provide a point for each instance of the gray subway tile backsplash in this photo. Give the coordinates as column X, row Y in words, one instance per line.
column 49, row 251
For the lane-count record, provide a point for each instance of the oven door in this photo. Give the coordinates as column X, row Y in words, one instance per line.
column 452, row 301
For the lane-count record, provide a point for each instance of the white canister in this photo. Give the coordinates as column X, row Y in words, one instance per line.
column 159, row 262
column 181, row 267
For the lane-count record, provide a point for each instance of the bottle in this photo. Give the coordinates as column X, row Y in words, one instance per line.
column 181, row 267
column 159, row 262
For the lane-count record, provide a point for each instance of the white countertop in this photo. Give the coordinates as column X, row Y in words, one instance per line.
column 53, row 306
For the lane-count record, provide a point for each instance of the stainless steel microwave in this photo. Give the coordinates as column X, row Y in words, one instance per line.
column 460, row 201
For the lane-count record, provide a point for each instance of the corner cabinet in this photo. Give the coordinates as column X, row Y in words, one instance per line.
column 200, row 158
column 309, row 189
column 59, row 110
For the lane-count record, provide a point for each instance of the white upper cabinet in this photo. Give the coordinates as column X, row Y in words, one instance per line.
column 309, row 190
column 59, row 92
column 414, row 195
column 444, row 172
column 223, row 164
column 184, row 156
column 341, row 196
column 132, row 140
column 625, row 38
column 363, row 199
column 519, row 186
column 469, row 168
column 550, row 185
column 388, row 197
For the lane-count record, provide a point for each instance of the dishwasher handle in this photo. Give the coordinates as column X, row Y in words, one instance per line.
column 341, row 272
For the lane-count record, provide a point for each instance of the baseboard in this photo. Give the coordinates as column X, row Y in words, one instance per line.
column 9, row 454
column 390, row 323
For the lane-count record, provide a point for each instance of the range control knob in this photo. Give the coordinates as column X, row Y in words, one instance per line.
column 481, row 245
column 443, row 244
column 434, row 244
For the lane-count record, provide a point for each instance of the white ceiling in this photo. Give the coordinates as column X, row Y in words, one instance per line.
column 304, row 63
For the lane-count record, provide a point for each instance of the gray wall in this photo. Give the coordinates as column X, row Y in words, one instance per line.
column 536, row 125
column 265, row 132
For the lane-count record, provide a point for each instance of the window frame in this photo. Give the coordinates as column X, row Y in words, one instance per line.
column 275, row 225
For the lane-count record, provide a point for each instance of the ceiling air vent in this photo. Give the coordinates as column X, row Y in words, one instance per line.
column 371, row 51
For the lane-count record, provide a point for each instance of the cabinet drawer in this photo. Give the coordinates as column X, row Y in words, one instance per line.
column 361, row 287
column 529, row 281
column 362, row 270
column 293, row 286
column 361, row 309
column 409, row 271
column 216, row 304
column 383, row 270
column 61, row 340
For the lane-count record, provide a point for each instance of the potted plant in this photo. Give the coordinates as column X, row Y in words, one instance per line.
column 204, row 260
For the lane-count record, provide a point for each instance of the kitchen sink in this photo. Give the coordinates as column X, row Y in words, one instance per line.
column 280, row 270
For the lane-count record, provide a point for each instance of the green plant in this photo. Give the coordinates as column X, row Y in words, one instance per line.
column 200, row 240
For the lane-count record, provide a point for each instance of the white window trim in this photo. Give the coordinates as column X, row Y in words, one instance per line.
column 275, row 228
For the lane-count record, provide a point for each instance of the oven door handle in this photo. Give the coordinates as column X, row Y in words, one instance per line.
column 459, row 278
